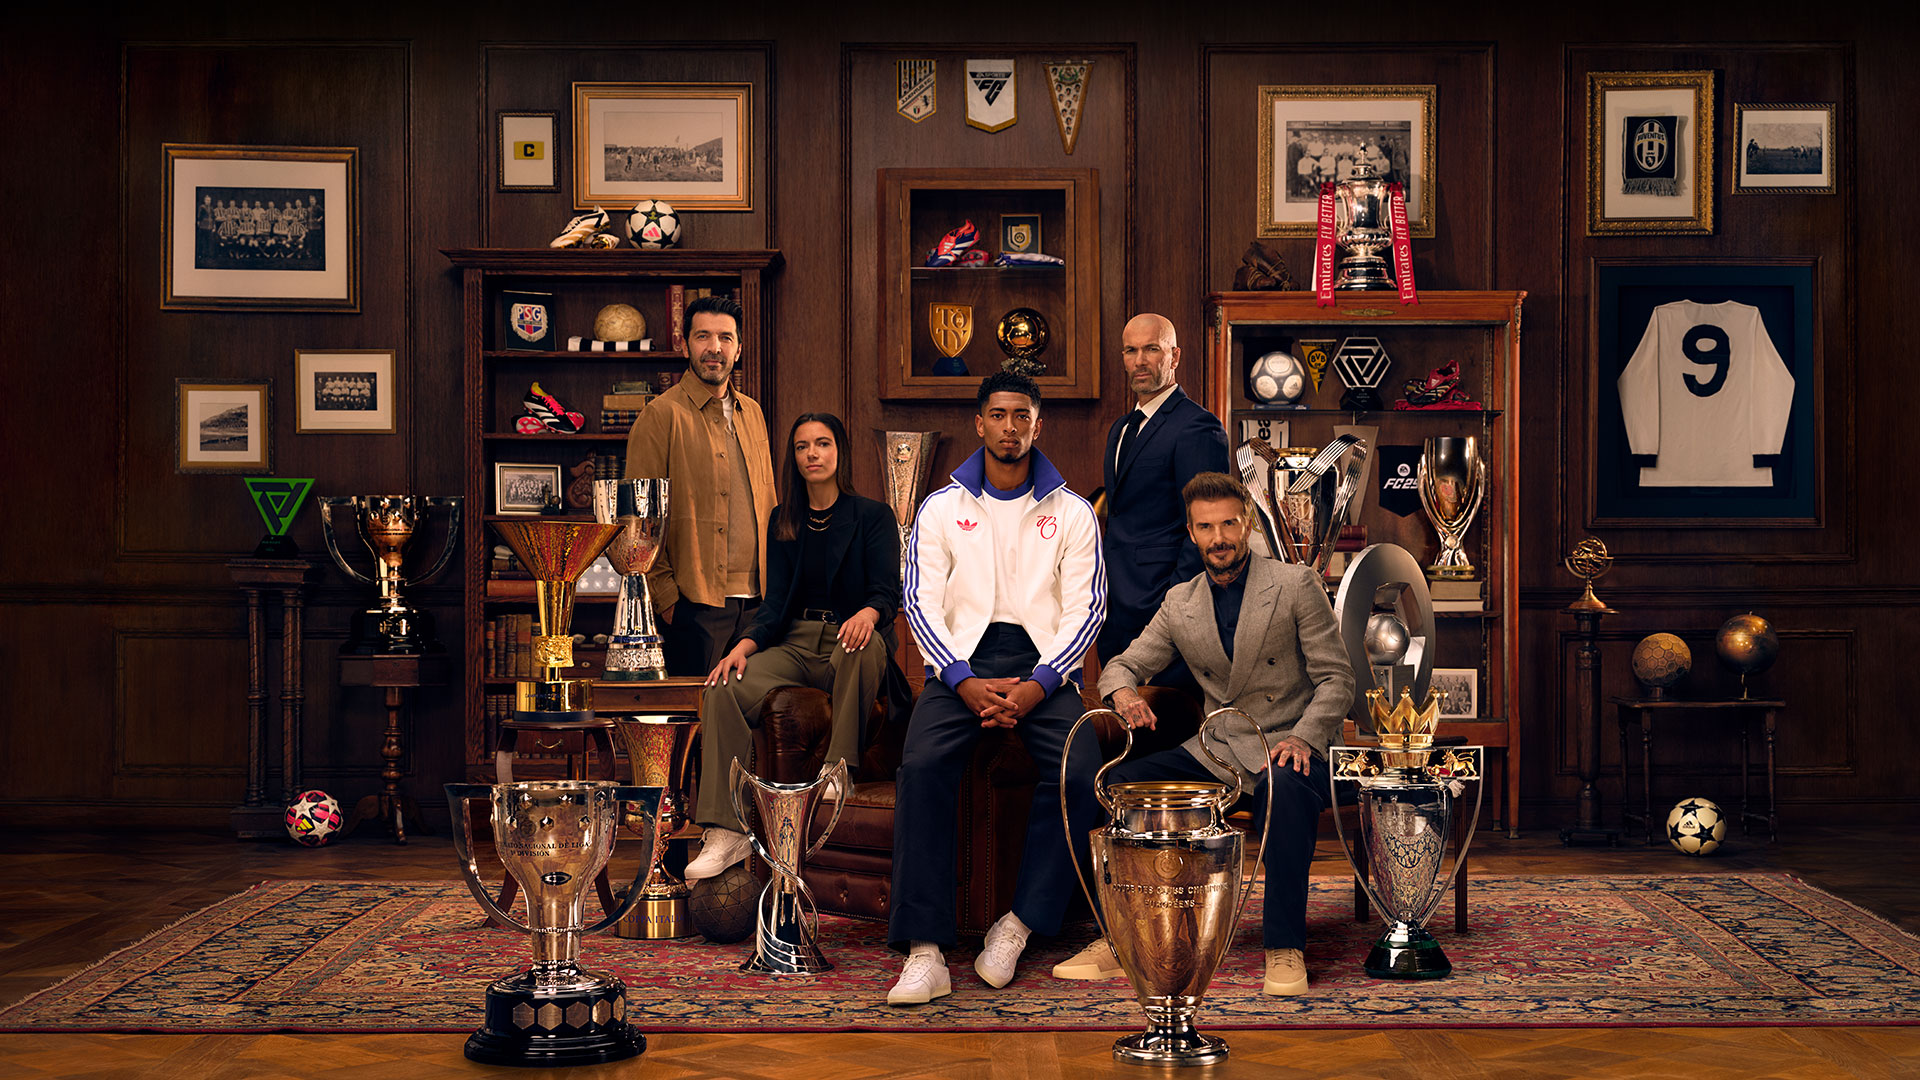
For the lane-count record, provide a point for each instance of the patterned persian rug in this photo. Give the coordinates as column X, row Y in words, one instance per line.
column 1543, row 951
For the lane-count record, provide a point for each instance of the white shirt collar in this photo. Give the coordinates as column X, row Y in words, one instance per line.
column 1153, row 404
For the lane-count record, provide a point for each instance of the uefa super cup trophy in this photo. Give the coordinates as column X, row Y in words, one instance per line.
column 1168, row 869
column 1363, row 227
column 786, row 920
column 905, row 457
column 554, row 836
column 658, row 751
column 1452, row 481
column 639, row 507
column 388, row 524
column 556, row 553
column 1306, row 492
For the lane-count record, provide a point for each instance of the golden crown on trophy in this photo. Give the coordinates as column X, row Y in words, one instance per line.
column 1405, row 726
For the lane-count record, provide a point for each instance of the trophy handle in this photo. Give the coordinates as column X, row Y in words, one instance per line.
column 327, row 503
column 837, row 769
column 1460, row 857
column 457, row 797
column 649, row 798
column 1099, row 792
column 1266, row 817
column 1361, row 879
column 810, row 911
column 451, row 503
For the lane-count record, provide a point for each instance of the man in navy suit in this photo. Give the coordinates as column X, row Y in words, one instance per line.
column 1152, row 452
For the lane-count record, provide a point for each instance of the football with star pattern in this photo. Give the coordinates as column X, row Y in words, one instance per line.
column 1696, row 826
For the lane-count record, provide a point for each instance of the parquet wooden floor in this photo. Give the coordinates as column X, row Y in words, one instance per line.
column 69, row 898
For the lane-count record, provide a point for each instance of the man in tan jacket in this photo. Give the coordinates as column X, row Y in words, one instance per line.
column 711, row 444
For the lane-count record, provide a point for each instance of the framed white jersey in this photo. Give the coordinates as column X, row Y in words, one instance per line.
column 1704, row 392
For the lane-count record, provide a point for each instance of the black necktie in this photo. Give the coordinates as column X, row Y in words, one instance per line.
column 1134, row 420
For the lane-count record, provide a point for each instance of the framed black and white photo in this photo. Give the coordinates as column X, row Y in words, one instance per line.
column 344, row 390
column 1783, row 149
column 529, row 153
column 1313, row 134
column 1459, row 690
column 221, row 427
column 688, row 143
column 1649, row 152
column 261, row 228
column 524, row 489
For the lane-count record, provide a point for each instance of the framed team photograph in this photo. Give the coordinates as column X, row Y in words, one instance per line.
column 221, row 427
column 1707, row 394
column 1783, row 149
column 1649, row 152
column 1459, row 690
column 1312, row 134
column 347, row 391
column 529, row 152
column 524, row 489
column 688, row 143
column 261, row 228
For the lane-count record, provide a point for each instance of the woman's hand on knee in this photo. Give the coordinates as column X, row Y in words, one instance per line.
column 858, row 629
column 733, row 665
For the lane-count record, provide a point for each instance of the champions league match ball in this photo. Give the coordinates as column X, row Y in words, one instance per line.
column 313, row 817
column 653, row 224
column 1696, row 826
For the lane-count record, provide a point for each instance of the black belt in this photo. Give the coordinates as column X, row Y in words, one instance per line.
column 814, row 614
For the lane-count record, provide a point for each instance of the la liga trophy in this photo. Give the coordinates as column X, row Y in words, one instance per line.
column 556, row 553
column 639, row 508
column 1452, row 481
column 658, row 750
column 388, row 525
column 786, row 939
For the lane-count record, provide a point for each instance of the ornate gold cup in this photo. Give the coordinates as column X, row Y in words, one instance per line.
column 639, row 507
column 786, row 938
column 1452, row 481
column 556, row 553
column 387, row 525
column 659, row 749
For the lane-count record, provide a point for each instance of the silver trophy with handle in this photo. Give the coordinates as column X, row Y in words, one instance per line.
column 786, row 938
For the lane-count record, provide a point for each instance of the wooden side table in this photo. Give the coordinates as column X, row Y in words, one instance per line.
column 256, row 818
column 1641, row 711
column 397, row 673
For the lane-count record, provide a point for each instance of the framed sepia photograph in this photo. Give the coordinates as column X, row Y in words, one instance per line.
column 524, row 489
column 343, row 391
column 1649, row 152
column 221, row 427
column 688, row 143
column 529, row 152
column 1783, row 149
column 261, row 228
column 1312, row 134
column 1460, row 692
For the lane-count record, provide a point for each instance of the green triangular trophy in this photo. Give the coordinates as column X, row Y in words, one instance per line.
column 278, row 499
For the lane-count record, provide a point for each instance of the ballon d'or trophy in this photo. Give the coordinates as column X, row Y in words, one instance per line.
column 1306, row 492
column 905, row 457
column 658, row 750
column 554, row 836
column 1363, row 227
column 639, row 507
column 1452, row 481
column 556, row 553
column 1168, row 869
column 786, row 939
column 388, row 524
column 1022, row 334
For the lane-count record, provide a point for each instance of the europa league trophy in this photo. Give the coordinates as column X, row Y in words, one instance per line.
column 556, row 553
column 387, row 525
column 1167, row 866
column 786, row 920
column 639, row 507
column 554, row 836
column 1452, row 481
column 1363, row 227
column 905, row 457
column 658, row 749
column 1305, row 493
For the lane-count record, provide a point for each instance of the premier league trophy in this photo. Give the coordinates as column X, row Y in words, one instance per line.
column 556, row 553
column 1168, row 869
column 1363, row 227
column 1452, row 481
column 639, row 507
column 905, row 457
column 1306, row 493
column 786, row 921
column 658, row 750
column 388, row 524
column 554, row 837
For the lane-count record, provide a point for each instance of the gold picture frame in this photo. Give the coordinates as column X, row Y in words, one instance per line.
column 1650, row 141
column 296, row 247
column 222, row 427
column 1302, row 130
column 690, row 144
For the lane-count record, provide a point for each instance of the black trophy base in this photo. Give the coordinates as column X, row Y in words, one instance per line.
column 531, row 1030
column 553, row 716
column 1361, row 399
column 1408, row 952
column 1589, row 834
column 390, row 632
column 276, row 547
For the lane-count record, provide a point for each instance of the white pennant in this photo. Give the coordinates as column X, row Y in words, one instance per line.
column 990, row 94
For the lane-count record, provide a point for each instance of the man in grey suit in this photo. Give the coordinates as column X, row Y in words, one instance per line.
column 1258, row 635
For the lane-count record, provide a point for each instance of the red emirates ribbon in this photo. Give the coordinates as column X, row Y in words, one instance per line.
column 1323, row 250
column 1402, row 246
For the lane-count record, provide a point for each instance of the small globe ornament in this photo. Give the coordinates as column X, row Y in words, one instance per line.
column 722, row 907
column 1696, row 826
column 1277, row 380
column 619, row 322
column 1659, row 661
column 653, row 224
column 1023, row 335
column 313, row 817
column 1747, row 645
column 1589, row 561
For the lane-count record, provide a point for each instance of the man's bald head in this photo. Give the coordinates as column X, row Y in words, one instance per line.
column 1150, row 353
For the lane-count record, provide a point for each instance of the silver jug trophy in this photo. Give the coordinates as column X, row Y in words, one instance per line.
column 639, row 507
column 786, row 939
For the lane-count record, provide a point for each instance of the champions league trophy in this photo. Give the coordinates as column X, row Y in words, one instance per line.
column 1363, row 226
column 554, row 836
column 1452, row 481
column 786, row 920
column 1306, row 493
column 1168, row 868
column 556, row 553
column 1407, row 785
column 658, row 749
column 639, row 507
column 905, row 457
column 387, row 526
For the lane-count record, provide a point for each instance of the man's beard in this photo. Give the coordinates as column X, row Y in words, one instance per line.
column 700, row 372
column 1011, row 459
column 1232, row 570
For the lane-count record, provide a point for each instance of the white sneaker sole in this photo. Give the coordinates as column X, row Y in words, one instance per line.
column 1291, row 989
column 1085, row 971
column 988, row 979
column 919, row 999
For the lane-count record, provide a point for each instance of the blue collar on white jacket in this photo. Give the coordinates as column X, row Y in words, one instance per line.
column 972, row 475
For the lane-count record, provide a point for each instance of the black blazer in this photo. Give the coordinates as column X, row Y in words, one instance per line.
column 864, row 550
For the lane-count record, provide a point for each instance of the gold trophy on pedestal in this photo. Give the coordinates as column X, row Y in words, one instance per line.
column 556, row 553
column 658, row 750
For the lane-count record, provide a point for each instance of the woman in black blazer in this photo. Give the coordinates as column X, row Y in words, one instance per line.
column 826, row 621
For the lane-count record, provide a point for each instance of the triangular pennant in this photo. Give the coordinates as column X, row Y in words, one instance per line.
column 1069, row 85
column 990, row 94
column 278, row 500
column 914, row 99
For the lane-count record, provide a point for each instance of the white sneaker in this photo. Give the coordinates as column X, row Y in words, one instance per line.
column 719, row 849
column 923, row 978
column 1096, row 961
column 1000, row 953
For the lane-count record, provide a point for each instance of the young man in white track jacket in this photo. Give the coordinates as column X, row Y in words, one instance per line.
column 1005, row 590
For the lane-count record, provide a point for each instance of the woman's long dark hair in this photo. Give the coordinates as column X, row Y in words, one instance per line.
column 793, row 486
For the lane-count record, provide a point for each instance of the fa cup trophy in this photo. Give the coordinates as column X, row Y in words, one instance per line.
column 1306, row 493
column 658, row 749
column 556, row 553
column 1363, row 225
column 639, row 507
column 905, row 456
column 1167, row 866
column 1452, row 481
column 786, row 921
column 388, row 524
column 554, row 837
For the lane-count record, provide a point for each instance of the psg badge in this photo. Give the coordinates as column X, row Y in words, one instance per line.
column 528, row 322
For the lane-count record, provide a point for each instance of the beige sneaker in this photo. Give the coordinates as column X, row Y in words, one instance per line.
column 1286, row 973
column 719, row 849
column 1096, row 961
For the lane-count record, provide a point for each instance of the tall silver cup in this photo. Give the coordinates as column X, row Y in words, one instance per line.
column 1452, row 481
column 786, row 938
column 639, row 507
column 1305, row 493
column 905, row 457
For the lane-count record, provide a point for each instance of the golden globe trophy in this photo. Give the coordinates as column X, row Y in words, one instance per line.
column 556, row 553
